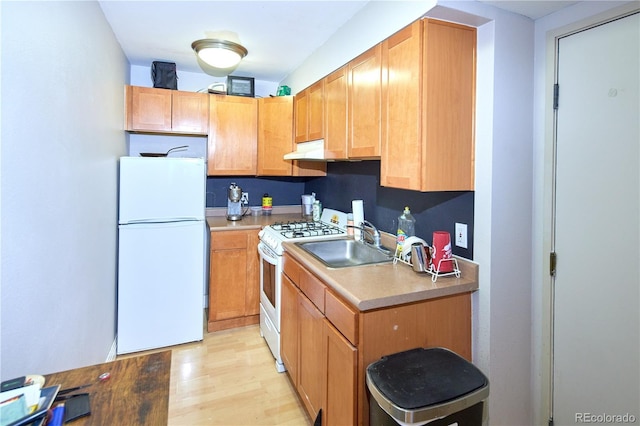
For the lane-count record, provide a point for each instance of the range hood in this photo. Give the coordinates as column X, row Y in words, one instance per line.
column 312, row 150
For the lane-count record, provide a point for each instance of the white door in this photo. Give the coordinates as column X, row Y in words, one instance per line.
column 596, row 346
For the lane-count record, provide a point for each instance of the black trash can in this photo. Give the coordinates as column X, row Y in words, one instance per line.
column 420, row 386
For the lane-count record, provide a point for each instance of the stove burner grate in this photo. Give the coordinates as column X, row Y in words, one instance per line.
column 302, row 229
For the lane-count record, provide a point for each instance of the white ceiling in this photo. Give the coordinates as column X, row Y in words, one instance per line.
column 532, row 9
column 279, row 35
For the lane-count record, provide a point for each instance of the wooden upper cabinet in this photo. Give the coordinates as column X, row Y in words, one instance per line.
column 301, row 104
column 402, row 147
column 315, row 111
column 148, row 109
column 309, row 113
column 166, row 111
column 449, row 87
column 335, row 116
column 190, row 113
column 275, row 139
column 309, row 168
column 428, row 136
column 365, row 104
column 275, row 135
column 233, row 139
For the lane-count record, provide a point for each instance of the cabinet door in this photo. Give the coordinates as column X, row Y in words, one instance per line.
column 289, row 328
column 233, row 139
column 190, row 112
column 365, row 104
column 340, row 407
column 148, row 109
column 227, row 284
column 315, row 111
column 234, row 275
column 275, row 135
column 309, row 168
column 403, row 149
column 301, row 124
column 335, row 102
column 310, row 367
column 449, row 99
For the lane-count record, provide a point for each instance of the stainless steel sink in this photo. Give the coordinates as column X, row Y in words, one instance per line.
column 344, row 253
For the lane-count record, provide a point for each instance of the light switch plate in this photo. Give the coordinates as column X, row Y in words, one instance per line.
column 461, row 235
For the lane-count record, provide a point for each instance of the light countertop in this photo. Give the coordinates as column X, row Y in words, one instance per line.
column 217, row 218
column 366, row 287
column 382, row 285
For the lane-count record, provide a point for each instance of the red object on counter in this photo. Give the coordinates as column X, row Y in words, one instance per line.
column 441, row 252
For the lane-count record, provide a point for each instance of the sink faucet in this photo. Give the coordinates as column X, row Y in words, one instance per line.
column 373, row 234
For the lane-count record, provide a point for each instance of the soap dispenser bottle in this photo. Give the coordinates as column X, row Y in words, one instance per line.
column 406, row 229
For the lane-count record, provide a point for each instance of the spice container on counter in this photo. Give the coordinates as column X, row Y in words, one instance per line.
column 350, row 224
column 267, row 204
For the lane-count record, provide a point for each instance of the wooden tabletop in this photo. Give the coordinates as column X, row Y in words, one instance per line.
column 136, row 393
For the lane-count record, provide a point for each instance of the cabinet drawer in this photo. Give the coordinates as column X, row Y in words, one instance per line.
column 292, row 269
column 229, row 240
column 313, row 288
column 342, row 316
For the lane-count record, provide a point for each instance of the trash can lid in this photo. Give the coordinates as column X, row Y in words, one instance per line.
column 422, row 377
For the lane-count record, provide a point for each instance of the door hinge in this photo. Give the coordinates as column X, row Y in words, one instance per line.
column 552, row 263
column 550, row 421
column 556, row 94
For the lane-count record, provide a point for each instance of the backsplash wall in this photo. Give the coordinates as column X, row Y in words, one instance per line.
column 347, row 181
column 284, row 191
column 433, row 211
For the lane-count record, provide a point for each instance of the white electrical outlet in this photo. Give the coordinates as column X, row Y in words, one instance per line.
column 244, row 199
column 461, row 235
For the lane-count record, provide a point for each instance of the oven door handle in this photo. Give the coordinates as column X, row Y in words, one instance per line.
column 267, row 255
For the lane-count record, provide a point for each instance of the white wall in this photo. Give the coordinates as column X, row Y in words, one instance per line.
column 62, row 132
column 374, row 23
column 194, row 82
column 503, row 210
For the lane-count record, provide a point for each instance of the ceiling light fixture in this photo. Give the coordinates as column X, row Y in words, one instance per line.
column 222, row 54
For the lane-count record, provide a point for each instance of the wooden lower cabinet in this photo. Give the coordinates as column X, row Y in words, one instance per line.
column 310, row 362
column 289, row 327
column 234, row 280
column 301, row 336
column 340, row 364
column 327, row 344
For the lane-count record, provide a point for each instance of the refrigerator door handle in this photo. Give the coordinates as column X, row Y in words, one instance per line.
column 172, row 220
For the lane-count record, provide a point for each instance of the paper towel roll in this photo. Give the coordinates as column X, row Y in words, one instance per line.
column 357, row 208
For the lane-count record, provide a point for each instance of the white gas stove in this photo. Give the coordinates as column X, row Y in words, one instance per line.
column 332, row 225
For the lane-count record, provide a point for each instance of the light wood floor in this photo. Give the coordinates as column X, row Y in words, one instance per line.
column 230, row 379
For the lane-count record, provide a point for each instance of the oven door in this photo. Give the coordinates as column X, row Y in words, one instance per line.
column 270, row 283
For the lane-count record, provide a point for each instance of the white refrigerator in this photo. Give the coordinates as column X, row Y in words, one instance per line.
column 161, row 252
